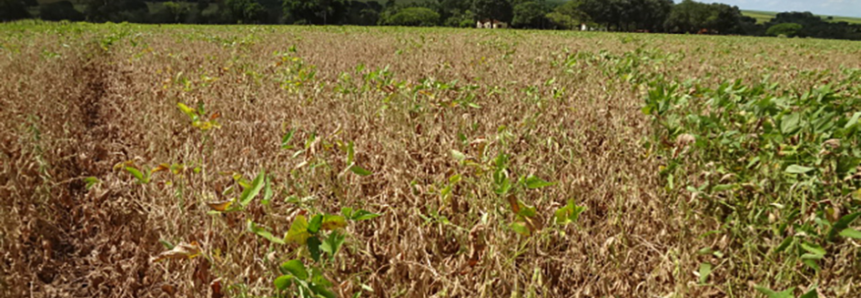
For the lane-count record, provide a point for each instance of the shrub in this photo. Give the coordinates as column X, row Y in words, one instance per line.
column 787, row 29
column 414, row 16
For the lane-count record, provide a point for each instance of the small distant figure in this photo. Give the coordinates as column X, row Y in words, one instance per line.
column 583, row 27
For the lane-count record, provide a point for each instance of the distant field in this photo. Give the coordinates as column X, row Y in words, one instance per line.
column 765, row 16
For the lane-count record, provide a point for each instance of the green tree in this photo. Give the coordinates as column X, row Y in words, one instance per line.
column 529, row 14
column 116, row 10
column 244, row 11
column 61, row 10
column 176, row 11
column 315, row 11
column 414, row 16
column 492, row 9
column 785, row 29
column 568, row 15
column 11, row 10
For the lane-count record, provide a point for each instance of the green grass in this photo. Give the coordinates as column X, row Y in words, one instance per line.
column 765, row 16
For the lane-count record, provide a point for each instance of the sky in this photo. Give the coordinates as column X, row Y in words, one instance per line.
column 846, row 8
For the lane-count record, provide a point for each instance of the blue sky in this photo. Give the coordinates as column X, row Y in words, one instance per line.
column 846, row 8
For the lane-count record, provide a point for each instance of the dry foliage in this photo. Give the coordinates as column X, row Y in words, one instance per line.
column 76, row 100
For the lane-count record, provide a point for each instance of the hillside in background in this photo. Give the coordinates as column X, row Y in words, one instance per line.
column 764, row 16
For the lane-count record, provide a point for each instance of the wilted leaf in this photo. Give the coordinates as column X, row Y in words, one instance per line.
column 298, row 232
column 188, row 111
column 250, row 192
column 457, row 155
column 160, row 168
column 181, row 251
column 220, row 206
column 332, row 222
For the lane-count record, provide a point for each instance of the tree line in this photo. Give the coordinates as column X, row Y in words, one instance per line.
column 663, row 16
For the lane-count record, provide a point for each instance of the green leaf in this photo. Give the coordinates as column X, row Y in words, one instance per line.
column 810, row 262
column 852, row 121
column 813, row 249
column 314, row 248
column 772, row 294
column 285, row 141
column 363, row 215
column 521, row 228
column 790, row 123
column 283, row 282
column 321, row 291
column 842, row 224
column 570, row 213
column 705, row 270
column 783, row 245
column 797, row 169
column 166, row 244
column 360, row 171
column 347, row 212
column 811, row 292
column 314, row 225
column 851, row 233
column 142, row 179
column 295, row 267
column 91, row 181
column 533, row 182
column 351, row 153
column 318, row 278
column 722, row 187
column 332, row 244
column 250, row 192
column 267, row 192
column 298, row 232
column 262, row 232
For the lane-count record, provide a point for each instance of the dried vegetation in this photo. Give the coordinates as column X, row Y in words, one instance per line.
column 432, row 114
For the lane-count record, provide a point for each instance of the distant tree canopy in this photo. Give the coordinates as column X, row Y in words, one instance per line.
column 414, row 16
column 11, row 10
column 686, row 16
column 59, row 11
